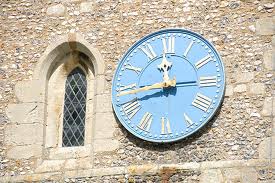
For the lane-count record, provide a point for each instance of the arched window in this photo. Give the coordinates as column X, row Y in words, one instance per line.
column 74, row 109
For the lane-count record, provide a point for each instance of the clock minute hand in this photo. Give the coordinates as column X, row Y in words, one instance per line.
column 180, row 84
column 186, row 83
column 145, row 88
column 166, row 84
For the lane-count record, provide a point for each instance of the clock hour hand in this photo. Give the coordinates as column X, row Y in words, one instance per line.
column 169, row 83
column 164, row 67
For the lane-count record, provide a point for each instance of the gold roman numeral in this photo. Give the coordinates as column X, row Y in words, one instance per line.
column 131, row 108
column 187, row 119
column 188, row 49
column 170, row 47
column 135, row 69
column 148, row 50
column 145, row 122
column 202, row 102
column 208, row 81
column 203, row 61
column 126, row 87
column 165, row 127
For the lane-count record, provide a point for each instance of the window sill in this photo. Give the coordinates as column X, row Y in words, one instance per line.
column 70, row 152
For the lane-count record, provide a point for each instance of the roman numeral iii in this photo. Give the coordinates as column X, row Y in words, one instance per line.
column 208, row 81
column 131, row 108
column 148, row 50
column 145, row 122
column 202, row 102
column 170, row 48
column 203, row 61
column 165, row 127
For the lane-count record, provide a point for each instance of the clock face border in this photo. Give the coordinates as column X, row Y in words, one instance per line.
column 145, row 39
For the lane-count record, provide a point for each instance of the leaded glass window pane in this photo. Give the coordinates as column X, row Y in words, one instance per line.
column 74, row 109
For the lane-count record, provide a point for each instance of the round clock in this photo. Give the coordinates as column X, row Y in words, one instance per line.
column 168, row 85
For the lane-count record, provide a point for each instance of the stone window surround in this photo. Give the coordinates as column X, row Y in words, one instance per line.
column 29, row 115
column 55, row 107
column 94, row 63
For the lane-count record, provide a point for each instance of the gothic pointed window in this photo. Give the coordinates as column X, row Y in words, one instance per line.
column 74, row 109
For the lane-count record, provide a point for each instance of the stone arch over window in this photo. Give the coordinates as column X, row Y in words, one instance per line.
column 39, row 112
column 67, row 57
column 56, row 104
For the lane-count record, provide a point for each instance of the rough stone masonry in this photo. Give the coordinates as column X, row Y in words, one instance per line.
column 237, row 145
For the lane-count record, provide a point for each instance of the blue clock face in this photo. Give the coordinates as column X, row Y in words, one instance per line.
column 168, row 85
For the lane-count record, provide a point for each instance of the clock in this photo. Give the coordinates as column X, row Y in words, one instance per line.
column 168, row 85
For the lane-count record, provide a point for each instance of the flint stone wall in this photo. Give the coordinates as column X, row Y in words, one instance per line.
column 236, row 145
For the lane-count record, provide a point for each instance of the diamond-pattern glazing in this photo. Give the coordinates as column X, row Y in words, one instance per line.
column 74, row 109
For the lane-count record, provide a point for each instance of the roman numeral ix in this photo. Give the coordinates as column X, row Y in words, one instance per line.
column 126, row 87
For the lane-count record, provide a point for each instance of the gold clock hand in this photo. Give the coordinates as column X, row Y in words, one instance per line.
column 166, row 84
